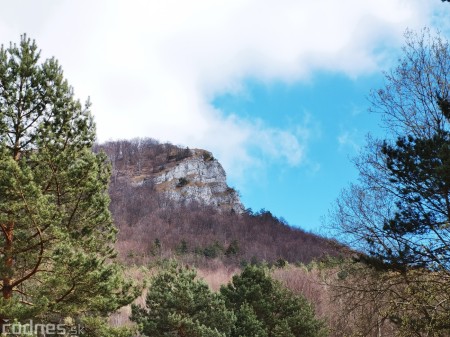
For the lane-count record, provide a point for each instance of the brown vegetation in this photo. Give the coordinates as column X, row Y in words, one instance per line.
column 152, row 227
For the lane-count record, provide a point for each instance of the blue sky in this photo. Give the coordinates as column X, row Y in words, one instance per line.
column 276, row 89
column 330, row 114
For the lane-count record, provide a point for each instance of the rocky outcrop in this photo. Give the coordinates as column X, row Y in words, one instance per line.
column 199, row 178
column 181, row 174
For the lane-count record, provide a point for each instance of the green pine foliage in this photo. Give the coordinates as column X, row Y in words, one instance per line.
column 253, row 304
column 99, row 327
column 178, row 304
column 278, row 310
column 247, row 324
column 282, row 329
column 398, row 214
column 182, row 248
column 233, row 249
column 419, row 171
column 56, row 232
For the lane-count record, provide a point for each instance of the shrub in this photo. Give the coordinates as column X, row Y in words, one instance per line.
column 182, row 182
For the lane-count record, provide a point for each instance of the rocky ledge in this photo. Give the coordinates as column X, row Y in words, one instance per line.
column 198, row 177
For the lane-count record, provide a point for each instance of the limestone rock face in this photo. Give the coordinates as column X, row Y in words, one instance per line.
column 199, row 178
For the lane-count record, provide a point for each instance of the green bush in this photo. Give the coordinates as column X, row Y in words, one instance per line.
column 182, row 182
column 211, row 251
column 182, row 248
column 207, row 156
column 233, row 249
column 281, row 263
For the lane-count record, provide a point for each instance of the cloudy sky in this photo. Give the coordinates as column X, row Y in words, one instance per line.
column 275, row 89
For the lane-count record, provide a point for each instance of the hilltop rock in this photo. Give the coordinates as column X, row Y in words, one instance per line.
column 199, row 178
column 181, row 174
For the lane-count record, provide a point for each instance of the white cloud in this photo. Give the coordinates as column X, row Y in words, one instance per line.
column 350, row 139
column 152, row 67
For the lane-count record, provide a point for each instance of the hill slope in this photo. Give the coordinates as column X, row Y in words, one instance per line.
column 169, row 201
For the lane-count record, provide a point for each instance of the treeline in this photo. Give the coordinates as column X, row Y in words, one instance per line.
column 141, row 156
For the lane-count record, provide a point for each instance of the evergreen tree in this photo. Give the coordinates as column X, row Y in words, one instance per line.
column 420, row 174
column 56, row 232
column 278, row 311
column 177, row 304
column 282, row 330
column 399, row 213
column 247, row 324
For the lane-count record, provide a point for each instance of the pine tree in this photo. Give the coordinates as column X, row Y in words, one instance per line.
column 56, row 232
column 419, row 170
column 277, row 309
column 282, row 330
column 177, row 304
column 398, row 215
column 247, row 324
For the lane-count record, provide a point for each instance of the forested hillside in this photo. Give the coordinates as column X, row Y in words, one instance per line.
column 153, row 225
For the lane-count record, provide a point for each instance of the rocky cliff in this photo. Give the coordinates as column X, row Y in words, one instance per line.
column 181, row 174
column 199, row 178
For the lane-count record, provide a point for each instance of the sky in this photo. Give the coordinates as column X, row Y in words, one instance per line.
column 276, row 89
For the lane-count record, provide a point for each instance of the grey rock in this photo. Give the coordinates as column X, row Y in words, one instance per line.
column 201, row 179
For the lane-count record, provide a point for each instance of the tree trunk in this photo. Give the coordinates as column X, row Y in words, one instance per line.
column 7, row 289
